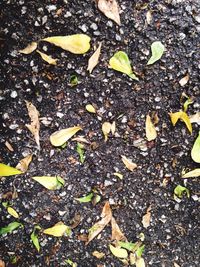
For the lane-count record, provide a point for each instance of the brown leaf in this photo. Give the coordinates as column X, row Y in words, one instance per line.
column 128, row 163
column 100, row 225
column 97, row 254
column 106, row 128
column 151, row 133
column 184, row 80
column 24, row 163
column 9, row 147
column 149, row 17
column 146, row 218
column 110, row 9
column 2, row 263
column 116, row 232
column 29, row 49
column 34, row 127
column 94, row 59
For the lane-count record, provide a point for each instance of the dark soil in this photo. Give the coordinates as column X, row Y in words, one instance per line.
column 173, row 235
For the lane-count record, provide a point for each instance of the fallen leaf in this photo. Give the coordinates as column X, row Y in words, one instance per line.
column 106, row 216
column 132, row 258
column 113, row 127
column 157, row 50
column 58, row 230
column 58, row 138
column 81, row 139
column 118, row 252
column 2, row 263
column 34, row 127
column 180, row 190
column 119, row 175
column 9, row 147
column 12, row 212
column 90, row 108
column 24, row 163
column 29, row 49
column 121, row 63
column 192, row 174
column 71, row 263
column 149, row 17
column 182, row 116
column 106, row 128
column 110, row 9
column 151, row 133
column 34, row 238
column 146, row 218
column 195, row 153
column 10, row 228
column 94, row 59
column 128, row 163
column 6, row 170
column 80, row 151
column 85, row 199
column 184, row 80
column 176, row 265
column 129, row 245
column 98, row 255
column 116, row 232
column 195, row 118
column 47, row 58
column 49, row 182
column 76, row 43
column 140, row 262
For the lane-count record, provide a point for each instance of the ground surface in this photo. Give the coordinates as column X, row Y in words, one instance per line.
column 173, row 235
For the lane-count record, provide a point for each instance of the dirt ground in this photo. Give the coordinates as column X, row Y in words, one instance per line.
column 173, row 236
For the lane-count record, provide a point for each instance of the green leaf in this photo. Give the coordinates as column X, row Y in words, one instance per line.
column 73, row 80
column 71, row 263
column 157, row 50
column 188, row 102
column 6, row 170
column 85, row 199
column 10, row 228
column 34, row 238
column 195, row 153
column 180, row 190
column 140, row 251
column 121, row 63
column 127, row 245
column 80, row 151
column 49, row 182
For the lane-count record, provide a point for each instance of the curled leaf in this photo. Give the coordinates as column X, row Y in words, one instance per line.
column 106, row 128
column 180, row 190
column 6, row 170
column 47, row 58
column 94, row 59
column 58, row 230
column 49, row 182
column 10, row 228
column 157, row 50
column 73, row 80
column 192, row 174
column 34, row 238
column 119, row 175
column 76, row 43
column 80, row 151
column 12, row 212
column 110, row 9
column 29, row 49
column 90, row 108
column 128, row 163
column 195, row 153
column 24, row 163
column 118, row 252
column 182, row 116
column 85, row 199
column 121, row 63
column 58, row 138
column 151, row 133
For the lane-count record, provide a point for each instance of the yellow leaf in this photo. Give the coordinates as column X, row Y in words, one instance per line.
column 29, row 49
column 24, row 163
column 12, row 212
column 6, row 170
column 110, row 9
column 76, row 43
column 119, row 175
column 191, row 174
column 106, row 128
column 58, row 229
column 184, row 80
column 182, row 116
column 140, row 262
column 113, row 127
column 175, row 117
column 128, row 163
column 195, row 153
column 34, row 127
column 90, row 108
column 151, row 133
column 118, row 252
column 58, row 138
column 50, row 182
column 146, row 218
column 98, row 255
column 94, row 59
column 47, row 58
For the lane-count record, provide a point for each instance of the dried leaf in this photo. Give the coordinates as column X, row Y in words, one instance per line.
column 29, row 49
column 24, row 163
column 151, row 133
column 85, row 199
column 146, row 218
column 58, row 138
column 94, row 59
column 184, row 80
column 106, row 128
column 120, row 62
column 6, row 170
column 100, row 225
column 113, row 127
column 157, row 50
column 119, row 175
column 140, row 262
column 81, row 139
column 2, row 263
column 118, row 252
column 192, row 174
column 47, row 58
column 149, row 17
column 182, row 116
column 10, row 228
column 180, row 190
column 176, row 265
column 34, row 127
column 90, row 108
column 195, row 118
column 76, row 43
column 12, row 212
column 49, row 182
column 195, row 153
column 116, row 232
column 9, row 147
column 110, row 9
column 98, row 255
column 128, row 163
column 58, row 230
